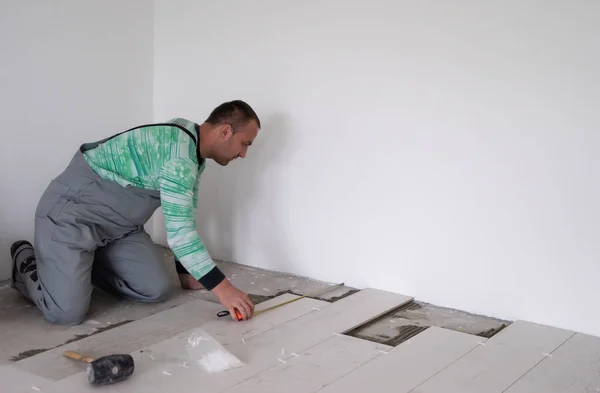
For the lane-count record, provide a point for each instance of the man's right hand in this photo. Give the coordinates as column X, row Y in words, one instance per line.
column 232, row 298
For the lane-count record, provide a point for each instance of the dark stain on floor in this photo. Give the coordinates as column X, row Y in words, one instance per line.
column 336, row 298
column 490, row 332
column 256, row 299
column 99, row 330
column 26, row 354
column 33, row 352
column 405, row 333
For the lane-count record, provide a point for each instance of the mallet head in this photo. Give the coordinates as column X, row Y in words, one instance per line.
column 110, row 369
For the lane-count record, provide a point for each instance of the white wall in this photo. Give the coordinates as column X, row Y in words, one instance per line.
column 445, row 150
column 71, row 71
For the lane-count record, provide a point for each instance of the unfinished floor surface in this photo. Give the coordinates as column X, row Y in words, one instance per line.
column 327, row 344
column 279, row 336
column 25, row 333
column 301, row 347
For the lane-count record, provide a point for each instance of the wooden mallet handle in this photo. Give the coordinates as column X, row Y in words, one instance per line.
column 78, row 357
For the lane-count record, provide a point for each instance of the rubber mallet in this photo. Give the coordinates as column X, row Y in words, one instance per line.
column 107, row 369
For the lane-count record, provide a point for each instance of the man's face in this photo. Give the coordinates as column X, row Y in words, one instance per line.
column 235, row 145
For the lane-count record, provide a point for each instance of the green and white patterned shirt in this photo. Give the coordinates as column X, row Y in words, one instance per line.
column 164, row 158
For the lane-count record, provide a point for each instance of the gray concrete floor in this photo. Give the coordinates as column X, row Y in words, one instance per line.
column 25, row 333
column 411, row 319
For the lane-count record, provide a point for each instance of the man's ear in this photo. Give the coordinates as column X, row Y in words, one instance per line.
column 226, row 131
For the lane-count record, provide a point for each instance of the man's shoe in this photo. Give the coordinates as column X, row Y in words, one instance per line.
column 13, row 250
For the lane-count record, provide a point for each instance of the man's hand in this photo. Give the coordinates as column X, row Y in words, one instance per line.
column 232, row 298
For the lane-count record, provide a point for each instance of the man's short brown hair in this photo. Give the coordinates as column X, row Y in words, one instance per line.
column 236, row 113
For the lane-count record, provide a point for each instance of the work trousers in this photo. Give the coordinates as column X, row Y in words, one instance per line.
column 90, row 232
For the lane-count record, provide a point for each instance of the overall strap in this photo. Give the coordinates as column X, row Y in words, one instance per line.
column 91, row 145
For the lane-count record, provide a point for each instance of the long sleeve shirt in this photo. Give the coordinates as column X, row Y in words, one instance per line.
column 164, row 157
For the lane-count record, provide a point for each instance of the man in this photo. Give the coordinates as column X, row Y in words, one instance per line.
column 89, row 223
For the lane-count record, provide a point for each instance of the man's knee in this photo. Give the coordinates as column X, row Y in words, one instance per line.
column 159, row 290
column 71, row 315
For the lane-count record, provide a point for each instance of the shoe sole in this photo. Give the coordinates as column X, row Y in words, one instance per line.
column 15, row 246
